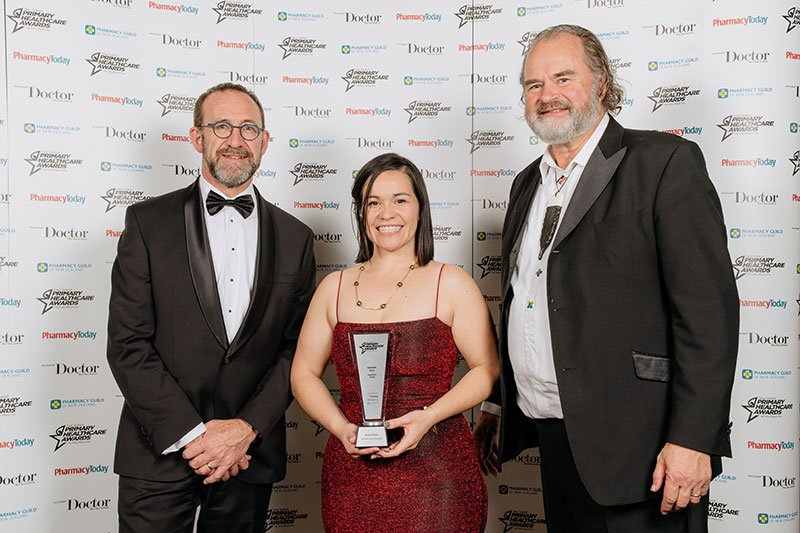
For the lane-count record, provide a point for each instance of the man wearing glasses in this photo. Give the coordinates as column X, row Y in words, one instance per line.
column 208, row 293
column 619, row 324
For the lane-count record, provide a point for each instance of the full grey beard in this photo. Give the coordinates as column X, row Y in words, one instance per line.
column 231, row 179
column 579, row 121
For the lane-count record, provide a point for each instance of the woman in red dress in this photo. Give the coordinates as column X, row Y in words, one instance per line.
column 429, row 479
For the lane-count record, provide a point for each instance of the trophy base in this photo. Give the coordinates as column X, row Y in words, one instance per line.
column 371, row 437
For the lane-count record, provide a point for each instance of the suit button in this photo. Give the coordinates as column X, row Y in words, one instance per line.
column 227, row 359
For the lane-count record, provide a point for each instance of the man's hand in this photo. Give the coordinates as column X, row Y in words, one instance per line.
column 685, row 475
column 487, row 434
column 220, row 451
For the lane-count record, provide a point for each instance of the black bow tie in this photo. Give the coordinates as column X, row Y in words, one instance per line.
column 243, row 204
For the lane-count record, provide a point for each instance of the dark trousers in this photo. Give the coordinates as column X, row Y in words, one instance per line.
column 170, row 507
column 569, row 508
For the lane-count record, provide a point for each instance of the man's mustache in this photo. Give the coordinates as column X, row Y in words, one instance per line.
column 555, row 104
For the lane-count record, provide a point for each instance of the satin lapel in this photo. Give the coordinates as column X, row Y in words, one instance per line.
column 264, row 275
column 516, row 228
column 201, row 264
column 598, row 172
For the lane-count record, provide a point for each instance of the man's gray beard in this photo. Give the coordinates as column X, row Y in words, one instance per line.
column 231, row 179
column 579, row 121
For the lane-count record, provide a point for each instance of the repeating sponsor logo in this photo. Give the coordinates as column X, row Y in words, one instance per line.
column 767, row 407
column 10, row 302
column 654, row 64
column 305, row 80
column 792, row 17
column 284, row 517
column 490, row 264
column 361, row 18
column 671, row 95
column 17, row 480
column 776, row 446
column 488, row 138
column 174, row 8
column 241, row 45
column 71, row 234
column 493, row 172
column 34, row 19
column 776, row 518
column 43, row 267
column 58, row 129
column 95, row 504
column 482, row 47
column 111, row 132
column 347, row 49
column 75, row 434
column 750, row 374
column 593, row 4
column 488, row 235
column 51, row 161
column 660, row 30
column 316, row 205
column 720, row 510
column 444, row 205
column 516, row 489
column 724, row 478
column 767, row 481
column 57, row 404
column 178, row 103
column 363, row 78
column 10, row 404
column 53, row 95
column 488, row 110
column 744, row 233
column 288, row 487
column 328, row 238
column 69, row 335
column 123, row 197
column 418, row 17
column 749, row 20
column 65, row 369
column 426, row 109
column 92, row 30
column 524, row 520
column 10, row 444
column 300, row 46
column 63, row 299
column 430, row 143
column 743, row 125
column 537, row 9
column 164, row 72
column 409, row 80
column 795, row 161
column 612, row 35
column 117, row 100
column 103, row 62
column 238, row 11
column 439, row 175
column 187, row 43
column 724, row 93
column 752, row 163
column 175, row 138
column 238, row 77
column 758, row 265
column 80, row 470
column 526, row 40
column 476, row 13
column 14, row 373
column 18, row 514
column 368, row 112
column 311, row 172
column 11, row 339
column 444, row 233
column 285, row 16
column 47, row 59
column 423, row 49
column 180, row 170
column 752, row 56
column 755, row 198
column 114, row 166
column 363, row 142
column 769, row 303
column 6, row 263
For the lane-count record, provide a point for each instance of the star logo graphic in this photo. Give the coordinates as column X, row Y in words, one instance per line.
column 792, row 17
column 41, row 267
column 29, row 128
column 89, row 29
column 45, row 300
column 473, row 140
column 798, row 304
column 297, row 172
column 33, row 161
column 348, row 78
column 220, row 11
column 463, row 18
column 164, row 103
column 652, row 66
column 105, row 166
column 294, row 143
column 747, row 374
column 750, row 407
column 725, row 127
column 345, row 49
column 408, row 80
column 286, row 47
column 16, row 17
column 735, row 233
column 526, row 40
column 109, row 199
column 319, row 429
column 161, row 72
column 521, row 11
column 722, row 93
column 55, row 404
column 93, row 60
column 795, row 160
column 410, row 110
column 656, row 98
column 793, row 127
column 282, row 16
column 471, row 111
column 763, row 518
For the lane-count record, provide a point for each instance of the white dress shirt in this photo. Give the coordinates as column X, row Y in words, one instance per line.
column 233, row 240
column 529, row 339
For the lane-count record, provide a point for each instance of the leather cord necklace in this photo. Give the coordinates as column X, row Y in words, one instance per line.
column 399, row 284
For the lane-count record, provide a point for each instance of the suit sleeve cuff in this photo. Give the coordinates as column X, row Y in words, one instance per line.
column 198, row 430
column 491, row 408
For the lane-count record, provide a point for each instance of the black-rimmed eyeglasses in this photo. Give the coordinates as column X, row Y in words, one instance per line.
column 223, row 130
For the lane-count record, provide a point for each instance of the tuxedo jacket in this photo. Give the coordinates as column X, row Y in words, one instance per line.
column 643, row 312
column 167, row 345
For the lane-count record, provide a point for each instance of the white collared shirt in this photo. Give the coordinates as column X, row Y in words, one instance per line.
column 529, row 339
column 233, row 240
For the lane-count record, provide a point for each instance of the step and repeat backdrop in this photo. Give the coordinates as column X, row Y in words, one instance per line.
column 97, row 102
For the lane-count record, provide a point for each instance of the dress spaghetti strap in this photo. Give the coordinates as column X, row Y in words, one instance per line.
column 338, row 290
column 438, row 282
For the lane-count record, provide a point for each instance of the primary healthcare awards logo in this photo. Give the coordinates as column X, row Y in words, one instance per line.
column 46, row 160
column 123, row 197
column 300, row 46
column 35, row 19
column 102, row 62
column 75, row 434
column 63, row 299
column 476, row 13
column 360, row 77
column 180, row 103
column 793, row 18
column 311, row 172
column 743, row 125
column 671, row 95
column 238, row 11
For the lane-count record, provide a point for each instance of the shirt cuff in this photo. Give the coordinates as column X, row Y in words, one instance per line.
column 198, row 430
column 491, row 408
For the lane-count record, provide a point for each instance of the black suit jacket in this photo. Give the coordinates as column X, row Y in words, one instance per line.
column 167, row 345
column 643, row 312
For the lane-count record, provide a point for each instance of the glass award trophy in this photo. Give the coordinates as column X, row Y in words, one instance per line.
column 370, row 351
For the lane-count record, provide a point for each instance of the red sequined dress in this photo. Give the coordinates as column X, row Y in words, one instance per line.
column 438, row 486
